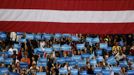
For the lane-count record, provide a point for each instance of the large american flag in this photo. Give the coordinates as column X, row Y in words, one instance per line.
column 68, row 16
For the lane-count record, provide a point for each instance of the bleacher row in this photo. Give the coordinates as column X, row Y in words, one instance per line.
column 95, row 57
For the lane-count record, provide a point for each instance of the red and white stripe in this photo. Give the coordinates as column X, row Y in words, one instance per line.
column 67, row 16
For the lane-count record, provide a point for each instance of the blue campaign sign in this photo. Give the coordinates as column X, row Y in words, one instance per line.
column 3, row 36
column 43, row 64
column 74, row 71
column 8, row 61
column 22, row 40
column 38, row 51
column 38, row 36
column 3, row 70
column 73, row 63
column 14, row 73
column 17, row 46
column 48, row 50
column 42, row 60
column 106, row 72
column 96, row 40
column 85, row 55
column 103, row 45
column 76, row 57
column 58, row 35
column 116, row 69
column 47, row 36
column 56, row 47
column 41, row 73
column 60, row 60
column 99, row 58
column 93, row 62
column 130, row 72
column 83, row 72
column 98, row 70
column 75, row 38
column 66, row 35
column 123, row 64
column 111, row 60
column 80, row 46
column 108, row 49
column 24, row 65
column 63, row 71
column 130, row 58
column 66, row 47
column 99, row 52
column 89, row 39
column 30, row 36
column 81, row 63
column 68, row 59
column 19, row 33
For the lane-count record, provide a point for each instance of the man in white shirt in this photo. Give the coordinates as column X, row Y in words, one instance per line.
column 13, row 36
column 11, row 49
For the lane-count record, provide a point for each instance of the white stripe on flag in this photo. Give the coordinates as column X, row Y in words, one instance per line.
column 66, row 16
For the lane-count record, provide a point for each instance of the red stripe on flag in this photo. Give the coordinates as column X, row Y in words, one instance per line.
column 68, row 4
column 48, row 27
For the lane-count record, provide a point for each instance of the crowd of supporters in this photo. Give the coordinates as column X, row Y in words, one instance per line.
column 69, row 54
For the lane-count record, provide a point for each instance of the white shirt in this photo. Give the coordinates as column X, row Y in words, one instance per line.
column 11, row 50
column 13, row 36
column 42, row 44
column 118, row 56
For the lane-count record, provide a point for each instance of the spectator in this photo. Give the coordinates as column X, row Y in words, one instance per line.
column 116, row 48
column 90, row 70
column 132, row 49
column 18, row 67
column 12, row 49
column 33, row 68
column 120, row 56
column 13, row 36
column 25, row 58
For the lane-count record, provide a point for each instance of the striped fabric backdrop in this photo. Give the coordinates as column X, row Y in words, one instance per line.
column 68, row 16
